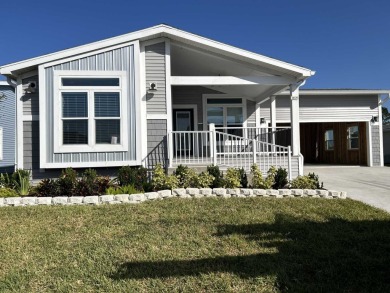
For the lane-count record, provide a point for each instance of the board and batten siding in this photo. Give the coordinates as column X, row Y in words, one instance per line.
column 157, row 143
column 155, row 72
column 192, row 95
column 8, row 125
column 31, row 145
column 120, row 59
column 30, row 100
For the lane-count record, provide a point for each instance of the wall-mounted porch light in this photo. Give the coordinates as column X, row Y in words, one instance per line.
column 374, row 119
column 152, row 87
column 262, row 120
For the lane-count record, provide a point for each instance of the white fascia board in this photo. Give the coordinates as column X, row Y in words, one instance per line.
column 230, row 80
column 160, row 31
column 4, row 83
column 338, row 92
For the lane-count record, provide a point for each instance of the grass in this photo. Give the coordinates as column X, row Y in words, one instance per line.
column 200, row 245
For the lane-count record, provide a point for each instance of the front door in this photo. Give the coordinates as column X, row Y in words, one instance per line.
column 183, row 121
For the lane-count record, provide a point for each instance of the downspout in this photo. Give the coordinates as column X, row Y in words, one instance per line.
column 13, row 84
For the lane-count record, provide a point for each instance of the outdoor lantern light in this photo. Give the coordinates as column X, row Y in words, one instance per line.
column 152, row 87
column 262, row 120
column 374, row 119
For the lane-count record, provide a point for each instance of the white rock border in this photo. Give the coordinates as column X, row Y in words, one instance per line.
column 179, row 192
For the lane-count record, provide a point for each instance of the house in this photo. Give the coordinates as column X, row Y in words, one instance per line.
column 7, row 127
column 163, row 95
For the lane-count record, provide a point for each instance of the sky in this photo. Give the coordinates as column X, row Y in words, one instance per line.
column 346, row 42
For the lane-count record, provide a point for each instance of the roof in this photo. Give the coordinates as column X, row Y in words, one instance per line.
column 163, row 30
column 340, row 92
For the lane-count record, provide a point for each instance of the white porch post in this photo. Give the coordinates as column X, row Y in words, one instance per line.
column 273, row 118
column 294, row 113
column 213, row 143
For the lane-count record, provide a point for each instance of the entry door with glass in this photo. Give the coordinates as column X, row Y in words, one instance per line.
column 183, row 121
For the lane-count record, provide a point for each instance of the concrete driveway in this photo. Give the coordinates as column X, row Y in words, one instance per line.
column 370, row 185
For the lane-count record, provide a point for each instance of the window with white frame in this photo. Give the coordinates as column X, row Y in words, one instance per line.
column 92, row 112
column 353, row 137
column 329, row 140
column 226, row 113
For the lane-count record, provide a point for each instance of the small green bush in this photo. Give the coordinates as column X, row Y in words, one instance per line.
column 280, row 178
column 243, row 178
column 232, row 178
column 6, row 180
column 67, row 182
column 8, row 192
column 21, row 180
column 316, row 179
column 185, row 176
column 161, row 181
column 258, row 181
column 303, row 182
column 218, row 176
column 127, row 189
column 136, row 176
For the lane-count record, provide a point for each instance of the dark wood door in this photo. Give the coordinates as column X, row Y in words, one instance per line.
column 334, row 143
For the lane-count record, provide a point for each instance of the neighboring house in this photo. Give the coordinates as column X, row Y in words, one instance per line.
column 386, row 143
column 163, row 95
column 7, row 127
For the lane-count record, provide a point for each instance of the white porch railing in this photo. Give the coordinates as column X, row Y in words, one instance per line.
column 226, row 150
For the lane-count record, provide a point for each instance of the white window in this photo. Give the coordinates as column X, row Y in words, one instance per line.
column 226, row 113
column 91, row 112
column 1, row 143
column 329, row 140
column 353, row 137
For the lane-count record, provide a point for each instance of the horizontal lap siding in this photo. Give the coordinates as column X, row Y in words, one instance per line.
column 30, row 100
column 155, row 72
column 185, row 95
column 251, row 113
column 121, row 59
column 7, row 123
column 157, row 142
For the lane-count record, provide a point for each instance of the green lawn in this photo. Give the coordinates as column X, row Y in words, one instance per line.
column 197, row 245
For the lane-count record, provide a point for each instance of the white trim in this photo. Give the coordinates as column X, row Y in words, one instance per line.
column 168, row 88
column 369, row 144
column 30, row 117
column 323, row 119
column 230, row 80
column 29, row 74
column 139, row 126
column 42, row 114
column 258, row 114
column 380, row 131
column 19, row 125
column 92, row 146
column 166, row 31
column 194, row 107
column 157, row 116
column 143, row 118
column 1, row 143
column 4, row 83
column 89, row 164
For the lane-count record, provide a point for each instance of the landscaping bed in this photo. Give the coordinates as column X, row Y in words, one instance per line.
column 251, row 244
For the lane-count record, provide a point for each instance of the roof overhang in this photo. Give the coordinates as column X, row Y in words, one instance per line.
column 298, row 72
column 344, row 92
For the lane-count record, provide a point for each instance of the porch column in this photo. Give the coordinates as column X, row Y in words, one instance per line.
column 294, row 115
column 273, row 118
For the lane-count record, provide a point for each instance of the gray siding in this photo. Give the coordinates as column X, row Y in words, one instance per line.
column 31, row 145
column 186, row 95
column 7, row 122
column 155, row 72
column 30, row 100
column 376, row 147
column 345, row 108
column 157, row 143
column 251, row 113
column 121, row 59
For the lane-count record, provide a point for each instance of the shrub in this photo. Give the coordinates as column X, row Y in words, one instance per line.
column 6, row 181
column 232, row 178
column 48, row 187
column 316, row 179
column 21, row 180
column 67, row 182
column 136, row 176
column 257, row 177
column 218, row 176
column 103, row 183
column 185, row 176
column 204, row 180
column 8, row 192
column 171, row 182
column 280, row 178
column 303, row 182
column 159, row 177
column 127, row 189
column 243, row 178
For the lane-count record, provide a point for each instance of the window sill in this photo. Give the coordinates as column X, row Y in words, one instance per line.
column 91, row 149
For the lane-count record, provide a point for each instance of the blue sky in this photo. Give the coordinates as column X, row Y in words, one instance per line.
column 346, row 42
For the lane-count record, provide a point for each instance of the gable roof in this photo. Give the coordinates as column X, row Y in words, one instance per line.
column 163, row 30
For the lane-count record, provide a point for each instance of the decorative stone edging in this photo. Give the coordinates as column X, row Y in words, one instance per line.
column 180, row 192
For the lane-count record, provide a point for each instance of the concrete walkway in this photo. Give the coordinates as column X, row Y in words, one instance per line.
column 370, row 185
